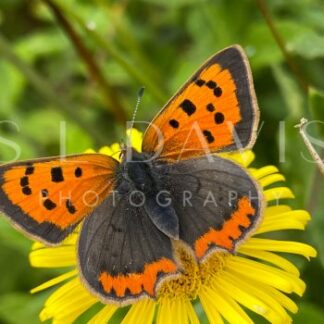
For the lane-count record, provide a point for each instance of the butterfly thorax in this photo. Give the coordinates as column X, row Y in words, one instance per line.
column 136, row 171
column 141, row 183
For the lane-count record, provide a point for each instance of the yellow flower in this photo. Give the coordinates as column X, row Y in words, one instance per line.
column 256, row 278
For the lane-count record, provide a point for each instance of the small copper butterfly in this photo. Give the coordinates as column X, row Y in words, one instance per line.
column 175, row 190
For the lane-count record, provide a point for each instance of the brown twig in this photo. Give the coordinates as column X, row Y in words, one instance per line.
column 109, row 94
column 317, row 181
column 316, row 157
column 280, row 42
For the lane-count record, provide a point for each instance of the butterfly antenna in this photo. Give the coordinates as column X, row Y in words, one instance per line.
column 139, row 98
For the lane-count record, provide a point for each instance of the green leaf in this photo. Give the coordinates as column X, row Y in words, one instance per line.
column 13, row 238
column 309, row 313
column 262, row 46
column 171, row 3
column 309, row 45
column 12, row 85
column 316, row 104
column 290, row 91
column 32, row 46
column 20, row 308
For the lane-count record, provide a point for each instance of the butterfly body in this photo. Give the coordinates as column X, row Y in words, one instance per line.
column 144, row 182
column 176, row 190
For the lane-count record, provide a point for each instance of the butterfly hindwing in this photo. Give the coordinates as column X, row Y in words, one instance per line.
column 216, row 110
column 47, row 198
column 122, row 255
column 217, row 202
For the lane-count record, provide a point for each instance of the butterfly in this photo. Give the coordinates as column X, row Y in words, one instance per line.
column 177, row 189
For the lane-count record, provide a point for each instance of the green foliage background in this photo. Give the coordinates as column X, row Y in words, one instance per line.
column 158, row 44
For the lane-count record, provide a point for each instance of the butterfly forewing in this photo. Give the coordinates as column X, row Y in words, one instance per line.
column 215, row 111
column 47, row 198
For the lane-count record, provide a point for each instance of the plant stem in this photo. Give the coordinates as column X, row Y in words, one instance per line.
column 109, row 94
column 119, row 57
column 125, row 33
column 262, row 5
column 46, row 90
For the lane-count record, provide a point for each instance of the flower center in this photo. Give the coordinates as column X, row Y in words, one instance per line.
column 193, row 275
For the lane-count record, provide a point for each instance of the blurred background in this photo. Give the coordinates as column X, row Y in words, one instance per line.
column 79, row 64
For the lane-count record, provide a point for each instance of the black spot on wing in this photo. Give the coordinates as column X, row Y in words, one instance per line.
column 200, row 82
column 174, row 123
column 219, row 118
column 218, row 91
column 209, row 136
column 57, row 174
column 188, row 107
column 78, row 172
column 44, row 193
column 69, row 206
column 29, row 170
column 210, row 107
column 49, row 204
column 26, row 191
column 24, row 181
column 211, row 84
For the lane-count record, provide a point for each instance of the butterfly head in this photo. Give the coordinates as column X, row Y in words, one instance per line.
column 123, row 151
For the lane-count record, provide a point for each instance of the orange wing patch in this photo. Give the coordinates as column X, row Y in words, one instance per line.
column 137, row 283
column 231, row 231
column 200, row 118
column 203, row 116
column 58, row 191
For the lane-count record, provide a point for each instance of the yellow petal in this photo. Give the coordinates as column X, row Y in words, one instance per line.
column 264, row 171
column 276, row 312
column 192, row 316
column 68, row 301
column 227, row 307
column 281, row 246
column 72, row 313
column 140, row 312
column 270, row 257
column 106, row 150
column 266, row 274
column 283, row 300
column 272, row 211
column 244, row 297
column 70, row 240
column 55, row 257
column 89, row 151
column 37, row 245
column 136, row 138
column 178, row 309
column 115, row 151
column 300, row 215
column 207, row 303
column 244, row 158
column 164, row 315
column 270, row 179
column 104, row 315
column 275, row 194
column 279, row 225
column 54, row 281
